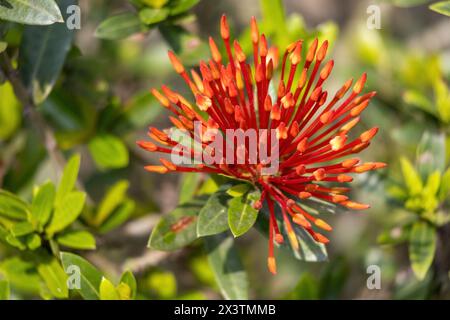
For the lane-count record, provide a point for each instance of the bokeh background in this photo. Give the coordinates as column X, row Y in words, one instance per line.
column 104, row 90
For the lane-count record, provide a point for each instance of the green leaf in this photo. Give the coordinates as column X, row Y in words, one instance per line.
column 42, row 205
column 182, row 6
column 410, row 175
column 37, row 12
column 445, row 186
column 189, row 186
column 213, row 217
column 22, row 228
column 4, row 290
column 408, row 3
column 119, row 26
column 77, row 240
column 33, row 241
column 108, row 291
column 124, row 291
column 307, row 288
column 3, row 46
column 113, row 198
column 129, row 279
column 119, row 216
column 422, row 246
column 90, row 277
column 10, row 111
column 42, row 53
column 178, row 228
column 68, row 179
column 241, row 214
column 12, row 206
column 66, row 212
column 275, row 20
column 152, row 16
column 21, row 274
column 163, row 284
column 238, row 190
column 227, row 267
column 442, row 7
column 431, row 154
column 108, row 152
column 54, row 276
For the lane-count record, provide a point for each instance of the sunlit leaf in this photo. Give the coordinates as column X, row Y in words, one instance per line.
column 37, row 12
column 54, row 276
column 12, row 206
column 129, row 279
column 108, row 291
column 152, row 16
column 241, row 214
column 42, row 205
column 77, row 240
column 68, row 178
column 4, row 290
column 442, row 7
column 119, row 27
column 108, row 151
column 411, row 177
column 66, row 212
column 213, row 217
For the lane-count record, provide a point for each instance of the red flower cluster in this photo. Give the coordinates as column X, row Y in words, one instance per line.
column 311, row 128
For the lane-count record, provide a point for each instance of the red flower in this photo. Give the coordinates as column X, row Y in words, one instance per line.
column 311, row 128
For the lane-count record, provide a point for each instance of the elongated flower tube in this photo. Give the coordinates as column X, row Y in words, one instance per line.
column 301, row 146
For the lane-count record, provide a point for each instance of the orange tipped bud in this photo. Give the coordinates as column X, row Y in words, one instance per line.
column 320, row 238
column 217, row 57
column 360, row 83
column 312, row 51
column 240, row 55
column 344, row 89
column 349, row 162
column 326, row 117
column 171, row 95
column 162, row 99
column 311, row 187
column 269, row 70
column 359, row 108
column 288, row 101
column 295, row 129
column 203, row 102
column 336, row 198
column 229, row 106
column 263, row 46
column 302, row 80
column 344, row 178
column 304, row 195
column 369, row 134
column 364, row 167
column 325, row 72
column 322, row 51
column 281, row 131
column 319, row 174
column 268, row 103
column 169, row 165
column 279, row 238
column 300, row 169
column 338, row 142
column 157, row 169
column 322, row 225
column 301, row 221
column 355, row 205
column 275, row 114
column 272, row 265
column 176, row 63
column 254, row 30
column 349, row 125
column 302, row 145
column 296, row 56
column 224, row 29
column 316, row 94
column 293, row 240
column 147, row 145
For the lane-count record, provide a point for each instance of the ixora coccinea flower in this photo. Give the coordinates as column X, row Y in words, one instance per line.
column 301, row 147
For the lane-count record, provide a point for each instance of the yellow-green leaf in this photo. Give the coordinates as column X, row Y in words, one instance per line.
column 422, row 246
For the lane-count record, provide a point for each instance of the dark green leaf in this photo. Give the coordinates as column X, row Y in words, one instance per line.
column 178, row 228
column 227, row 267
column 90, row 276
column 119, row 27
column 213, row 217
column 307, row 288
column 241, row 214
column 422, row 246
column 77, row 240
column 189, row 186
column 37, row 12
column 108, row 151
column 43, row 51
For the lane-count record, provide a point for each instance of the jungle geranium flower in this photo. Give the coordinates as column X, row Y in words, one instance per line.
column 312, row 129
